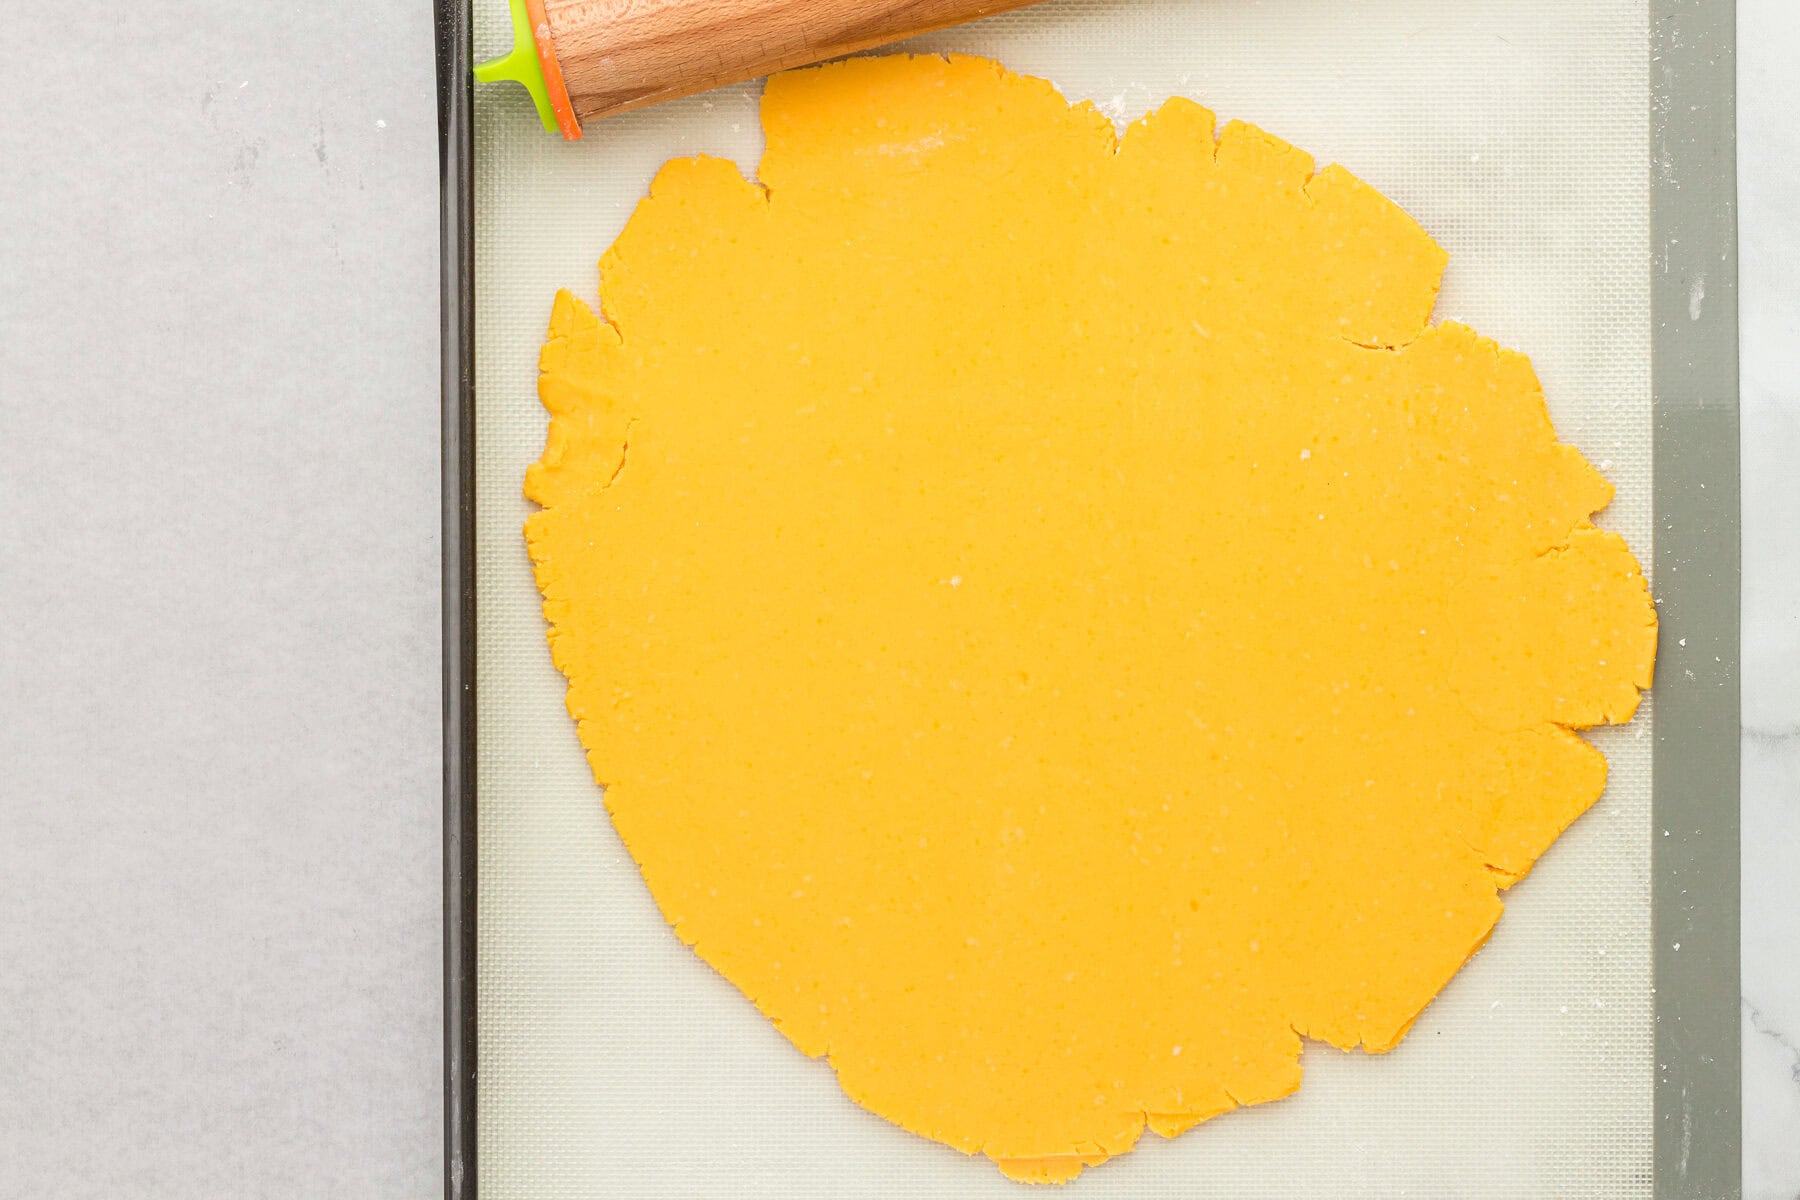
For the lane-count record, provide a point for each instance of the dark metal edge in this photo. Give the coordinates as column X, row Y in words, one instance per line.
column 1694, row 356
column 455, row 83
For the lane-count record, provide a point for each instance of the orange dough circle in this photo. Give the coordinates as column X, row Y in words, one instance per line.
column 1055, row 625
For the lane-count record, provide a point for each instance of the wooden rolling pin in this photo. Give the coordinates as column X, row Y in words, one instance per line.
column 582, row 59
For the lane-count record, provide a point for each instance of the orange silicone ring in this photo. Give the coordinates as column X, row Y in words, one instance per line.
column 553, row 79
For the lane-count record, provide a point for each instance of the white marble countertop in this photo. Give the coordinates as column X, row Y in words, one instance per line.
column 1769, row 263
column 219, row 926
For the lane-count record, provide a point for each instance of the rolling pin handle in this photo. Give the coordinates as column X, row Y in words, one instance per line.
column 531, row 63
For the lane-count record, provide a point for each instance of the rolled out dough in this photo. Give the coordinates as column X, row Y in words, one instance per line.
column 1055, row 625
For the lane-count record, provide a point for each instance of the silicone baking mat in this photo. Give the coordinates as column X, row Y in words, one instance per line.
column 611, row 1061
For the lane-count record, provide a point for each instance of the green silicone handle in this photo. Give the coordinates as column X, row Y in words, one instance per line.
column 521, row 65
